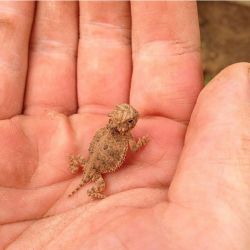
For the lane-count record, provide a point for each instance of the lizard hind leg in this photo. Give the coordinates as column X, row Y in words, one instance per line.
column 95, row 192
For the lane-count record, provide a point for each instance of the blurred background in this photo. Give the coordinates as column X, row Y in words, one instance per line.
column 225, row 34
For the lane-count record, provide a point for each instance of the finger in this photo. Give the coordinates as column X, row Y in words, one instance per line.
column 215, row 164
column 104, row 63
column 52, row 68
column 166, row 58
column 15, row 25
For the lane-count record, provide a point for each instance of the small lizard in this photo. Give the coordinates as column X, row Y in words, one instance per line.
column 108, row 149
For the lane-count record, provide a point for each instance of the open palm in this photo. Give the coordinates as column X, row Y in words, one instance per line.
column 48, row 115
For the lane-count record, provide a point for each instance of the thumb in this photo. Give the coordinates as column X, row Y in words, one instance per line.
column 214, row 170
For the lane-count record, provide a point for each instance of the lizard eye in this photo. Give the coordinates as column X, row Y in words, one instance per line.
column 130, row 121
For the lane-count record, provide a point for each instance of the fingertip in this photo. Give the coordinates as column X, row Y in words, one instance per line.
column 232, row 81
column 239, row 71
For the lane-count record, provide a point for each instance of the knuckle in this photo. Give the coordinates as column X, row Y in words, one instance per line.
column 105, row 33
column 174, row 47
column 52, row 47
column 8, row 21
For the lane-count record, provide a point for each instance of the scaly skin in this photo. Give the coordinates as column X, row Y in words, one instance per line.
column 108, row 150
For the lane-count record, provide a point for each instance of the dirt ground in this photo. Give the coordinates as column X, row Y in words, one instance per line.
column 225, row 35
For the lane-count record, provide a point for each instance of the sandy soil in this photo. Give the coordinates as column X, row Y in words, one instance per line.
column 225, row 35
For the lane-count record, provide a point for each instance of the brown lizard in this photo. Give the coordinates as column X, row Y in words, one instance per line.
column 107, row 150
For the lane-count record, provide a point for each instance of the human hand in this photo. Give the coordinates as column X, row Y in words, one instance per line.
column 145, row 208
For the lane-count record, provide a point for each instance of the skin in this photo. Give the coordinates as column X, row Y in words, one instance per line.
column 188, row 189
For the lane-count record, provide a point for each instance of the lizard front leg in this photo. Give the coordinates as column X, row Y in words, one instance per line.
column 75, row 162
column 134, row 146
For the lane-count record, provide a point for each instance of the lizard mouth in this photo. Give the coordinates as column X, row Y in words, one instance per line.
column 122, row 130
column 119, row 131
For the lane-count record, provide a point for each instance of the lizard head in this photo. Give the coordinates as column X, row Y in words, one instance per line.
column 123, row 118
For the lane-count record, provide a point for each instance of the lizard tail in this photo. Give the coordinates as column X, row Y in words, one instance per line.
column 82, row 183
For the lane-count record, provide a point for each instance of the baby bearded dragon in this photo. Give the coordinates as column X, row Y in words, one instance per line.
column 108, row 149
